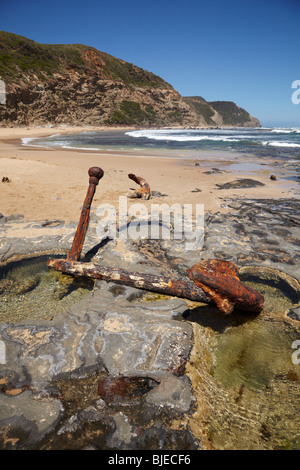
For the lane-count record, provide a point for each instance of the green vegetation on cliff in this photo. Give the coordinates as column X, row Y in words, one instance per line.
column 130, row 112
column 225, row 113
column 232, row 115
column 20, row 56
column 77, row 84
column 202, row 108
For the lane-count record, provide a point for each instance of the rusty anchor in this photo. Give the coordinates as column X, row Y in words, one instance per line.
column 144, row 192
column 219, row 280
column 185, row 289
column 154, row 283
column 95, row 174
column 209, row 281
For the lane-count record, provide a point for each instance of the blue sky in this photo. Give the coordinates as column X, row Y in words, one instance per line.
column 242, row 51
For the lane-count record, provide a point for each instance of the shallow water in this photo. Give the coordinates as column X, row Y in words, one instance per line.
column 271, row 141
column 253, row 354
column 253, row 364
column 29, row 290
column 245, row 380
column 245, row 377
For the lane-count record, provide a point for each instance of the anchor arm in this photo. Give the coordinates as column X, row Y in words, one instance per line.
column 150, row 282
column 144, row 192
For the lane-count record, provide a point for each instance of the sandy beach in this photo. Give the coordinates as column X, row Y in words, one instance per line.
column 49, row 184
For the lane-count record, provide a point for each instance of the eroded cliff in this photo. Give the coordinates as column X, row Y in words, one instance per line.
column 79, row 85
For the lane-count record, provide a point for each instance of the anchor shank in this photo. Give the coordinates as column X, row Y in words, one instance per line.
column 155, row 283
column 95, row 174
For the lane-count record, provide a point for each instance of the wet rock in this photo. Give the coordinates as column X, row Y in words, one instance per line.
column 91, row 426
column 52, row 223
column 13, row 287
column 294, row 313
column 6, row 285
column 63, row 286
column 155, row 437
column 99, row 428
column 196, row 190
column 154, row 194
column 26, row 285
column 93, row 337
column 24, row 420
column 96, row 331
column 240, row 183
column 263, row 222
column 214, row 171
column 157, row 343
column 124, row 388
column 122, row 333
column 172, row 392
column 124, row 433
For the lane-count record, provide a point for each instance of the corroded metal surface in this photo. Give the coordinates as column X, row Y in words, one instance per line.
column 95, row 174
column 219, row 280
column 144, row 191
column 112, row 389
column 150, row 282
column 213, row 280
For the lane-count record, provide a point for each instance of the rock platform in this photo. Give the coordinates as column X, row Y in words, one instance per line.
column 134, row 344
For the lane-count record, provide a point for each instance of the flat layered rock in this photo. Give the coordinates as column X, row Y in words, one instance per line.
column 240, row 183
column 118, row 331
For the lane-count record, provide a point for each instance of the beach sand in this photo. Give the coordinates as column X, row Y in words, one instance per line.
column 50, row 184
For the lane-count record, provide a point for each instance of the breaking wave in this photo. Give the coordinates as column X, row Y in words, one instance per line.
column 276, row 143
column 272, row 137
column 263, row 141
column 179, row 137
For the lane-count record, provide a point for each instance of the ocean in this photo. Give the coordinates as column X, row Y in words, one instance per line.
column 278, row 143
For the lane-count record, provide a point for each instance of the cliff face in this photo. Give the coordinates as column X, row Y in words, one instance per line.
column 79, row 85
column 79, row 99
column 222, row 113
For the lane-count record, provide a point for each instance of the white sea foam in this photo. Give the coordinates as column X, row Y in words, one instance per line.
column 171, row 136
column 26, row 140
column 291, row 130
column 231, row 135
column 276, row 143
column 281, row 131
column 188, row 138
column 29, row 141
column 80, row 148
